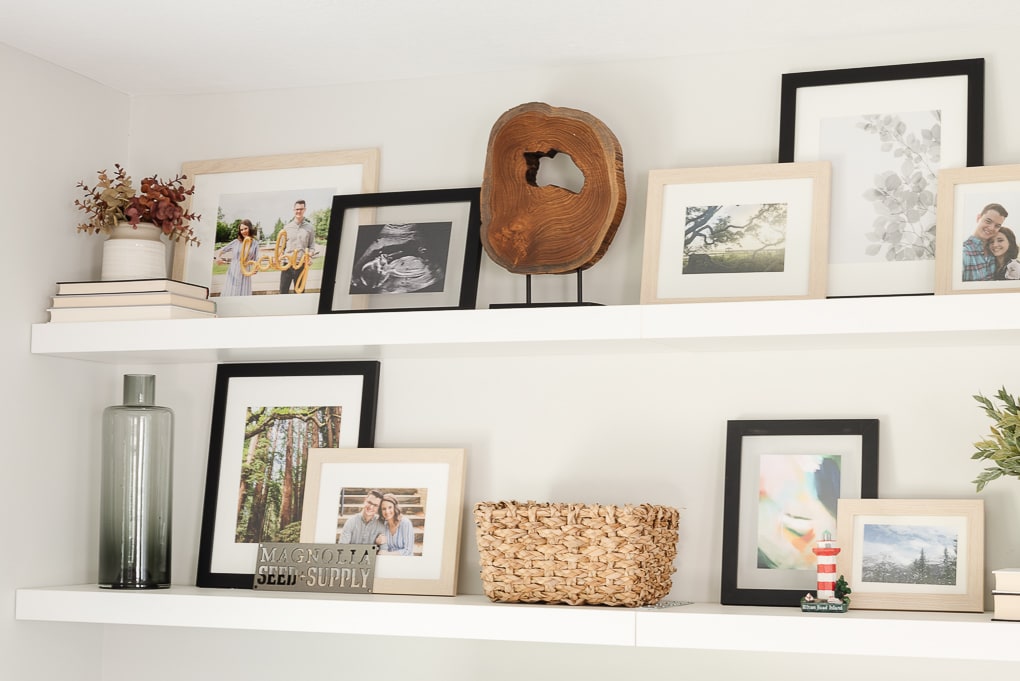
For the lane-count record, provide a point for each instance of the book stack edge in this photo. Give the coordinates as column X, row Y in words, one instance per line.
column 1006, row 595
column 133, row 299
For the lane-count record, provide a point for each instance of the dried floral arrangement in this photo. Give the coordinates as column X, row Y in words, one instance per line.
column 114, row 200
column 1003, row 444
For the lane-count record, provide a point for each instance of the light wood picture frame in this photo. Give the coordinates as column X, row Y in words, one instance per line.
column 913, row 554
column 974, row 245
column 428, row 482
column 266, row 190
column 757, row 232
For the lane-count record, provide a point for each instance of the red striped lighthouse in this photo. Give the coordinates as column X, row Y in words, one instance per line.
column 826, row 550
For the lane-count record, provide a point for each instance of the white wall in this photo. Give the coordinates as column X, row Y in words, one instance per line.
column 55, row 128
column 611, row 428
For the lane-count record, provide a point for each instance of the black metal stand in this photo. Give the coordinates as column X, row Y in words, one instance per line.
column 528, row 303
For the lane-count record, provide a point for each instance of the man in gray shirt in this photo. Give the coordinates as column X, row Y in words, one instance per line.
column 300, row 242
column 365, row 527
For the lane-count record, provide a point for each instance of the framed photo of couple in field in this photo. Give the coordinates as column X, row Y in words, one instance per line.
column 977, row 249
column 415, row 495
column 266, row 418
column 263, row 227
column 736, row 233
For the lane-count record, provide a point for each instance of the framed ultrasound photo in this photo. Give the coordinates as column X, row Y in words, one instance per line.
column 397, row 251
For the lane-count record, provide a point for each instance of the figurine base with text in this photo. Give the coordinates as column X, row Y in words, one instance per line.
column 839, row 602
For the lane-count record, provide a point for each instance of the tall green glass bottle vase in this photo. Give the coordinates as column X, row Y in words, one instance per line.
column 136, row 503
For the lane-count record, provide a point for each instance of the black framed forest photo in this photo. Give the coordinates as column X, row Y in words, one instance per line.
column 266, row 418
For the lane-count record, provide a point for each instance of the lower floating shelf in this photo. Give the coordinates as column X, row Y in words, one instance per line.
column 463, row 617
column 970, row 636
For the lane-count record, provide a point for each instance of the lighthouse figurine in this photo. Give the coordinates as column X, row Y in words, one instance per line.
column 832, row 593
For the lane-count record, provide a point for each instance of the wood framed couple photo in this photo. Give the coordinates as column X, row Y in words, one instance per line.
column 976, row 250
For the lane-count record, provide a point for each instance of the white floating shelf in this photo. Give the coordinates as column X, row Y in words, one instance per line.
column 459, row 617
column 340, row 336
column 938, row 635
column 698, row 626
column 896, row 321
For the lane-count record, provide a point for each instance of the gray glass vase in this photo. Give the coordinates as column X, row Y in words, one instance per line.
column 136, row 502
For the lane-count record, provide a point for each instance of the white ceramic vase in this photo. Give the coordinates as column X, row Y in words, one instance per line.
column 134, row 253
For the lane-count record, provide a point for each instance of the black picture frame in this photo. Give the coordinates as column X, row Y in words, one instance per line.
column 747, row 577
column 369, row 234
column 860, row 119
column 242, row 391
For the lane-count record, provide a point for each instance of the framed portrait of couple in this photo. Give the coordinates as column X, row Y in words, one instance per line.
column 979, row 219
column 263, row 227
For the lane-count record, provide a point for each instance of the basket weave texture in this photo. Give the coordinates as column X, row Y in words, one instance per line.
column 576, row 553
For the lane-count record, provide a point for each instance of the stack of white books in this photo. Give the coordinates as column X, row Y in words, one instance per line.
column 101, row 301
column 1006, row 594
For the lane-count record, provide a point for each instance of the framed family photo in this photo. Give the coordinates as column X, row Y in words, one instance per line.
column 888, row 131
column 783, row 483
column 913, row 554
column 407, row 501
column 736, row 233
column 414, row 250
column 263, row 227
column 977, row 248
column 266, row 418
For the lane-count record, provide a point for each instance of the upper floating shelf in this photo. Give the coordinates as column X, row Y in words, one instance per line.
column 782, row 324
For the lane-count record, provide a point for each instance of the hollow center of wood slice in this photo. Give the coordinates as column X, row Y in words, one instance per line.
column 558, row 169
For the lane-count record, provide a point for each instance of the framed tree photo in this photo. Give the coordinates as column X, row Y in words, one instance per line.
column 736, row 233
column 783, row 483
column 266, row 418
column 913, row 554
column 888, row 131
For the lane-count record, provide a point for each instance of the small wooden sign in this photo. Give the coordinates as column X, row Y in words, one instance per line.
column 327, row 568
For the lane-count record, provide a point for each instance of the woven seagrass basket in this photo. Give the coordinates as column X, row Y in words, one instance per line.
column 575, row 553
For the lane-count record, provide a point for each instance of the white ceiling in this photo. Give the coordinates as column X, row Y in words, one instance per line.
column 145, row 47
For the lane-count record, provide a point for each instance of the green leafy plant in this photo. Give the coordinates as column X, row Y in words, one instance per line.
column 842, row 590
column 114, row 199
column 1002, row 447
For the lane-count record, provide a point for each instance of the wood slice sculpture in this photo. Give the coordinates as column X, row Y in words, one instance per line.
column 528, row 229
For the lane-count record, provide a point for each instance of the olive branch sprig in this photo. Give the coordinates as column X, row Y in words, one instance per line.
column 1002, row 446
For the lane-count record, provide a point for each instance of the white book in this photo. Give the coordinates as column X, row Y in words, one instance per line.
column 1007, row 579
column 1007, row 606
column 183, row 288
column 135, row 299
column 123, row 313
